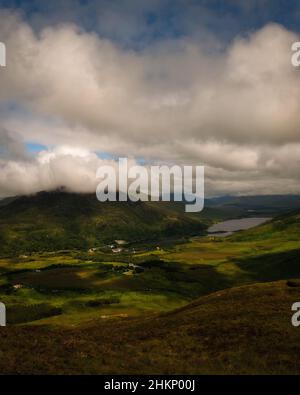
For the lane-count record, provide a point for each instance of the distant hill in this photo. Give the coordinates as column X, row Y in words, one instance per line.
column 261, row 204
column 58, row 220
column 6, row 201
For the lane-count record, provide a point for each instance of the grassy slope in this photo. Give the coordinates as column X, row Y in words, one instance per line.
column 281, row 228
column 265, row 253
column 55, row 221
column 241, row 330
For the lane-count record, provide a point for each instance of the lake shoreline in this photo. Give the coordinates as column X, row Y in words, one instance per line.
column 228, row 227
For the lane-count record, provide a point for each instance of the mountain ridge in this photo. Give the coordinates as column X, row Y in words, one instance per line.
column 60, row 220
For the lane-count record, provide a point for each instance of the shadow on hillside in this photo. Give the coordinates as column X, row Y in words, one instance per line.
column 187, row 281
column 271, row 267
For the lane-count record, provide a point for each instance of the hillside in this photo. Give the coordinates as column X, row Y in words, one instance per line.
column 282, row 227
column 53, row 221
column 263, row 205
column 244, row 330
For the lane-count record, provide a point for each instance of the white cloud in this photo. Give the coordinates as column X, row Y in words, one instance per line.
column 236, row 111
column 73, row 169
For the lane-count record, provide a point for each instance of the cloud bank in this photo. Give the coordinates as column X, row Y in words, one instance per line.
column 235, row 110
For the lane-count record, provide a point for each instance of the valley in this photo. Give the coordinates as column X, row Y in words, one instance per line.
column 124, row 281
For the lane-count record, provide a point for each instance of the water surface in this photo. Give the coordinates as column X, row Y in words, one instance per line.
column 226, row 228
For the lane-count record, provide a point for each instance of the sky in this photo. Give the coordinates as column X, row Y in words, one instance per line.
column 163, row 81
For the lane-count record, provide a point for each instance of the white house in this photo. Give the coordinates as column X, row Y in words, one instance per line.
column 117, row 250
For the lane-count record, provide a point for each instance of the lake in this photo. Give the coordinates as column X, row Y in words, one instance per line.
column 226, row 228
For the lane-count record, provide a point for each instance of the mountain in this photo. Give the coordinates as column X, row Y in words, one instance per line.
column 6, row 201
column 260, row 204
column 53, row 221
column 244, row 330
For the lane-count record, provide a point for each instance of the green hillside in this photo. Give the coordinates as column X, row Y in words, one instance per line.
column 57, row 221
column 52, row 221
column 281, row 228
